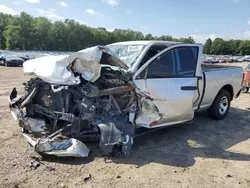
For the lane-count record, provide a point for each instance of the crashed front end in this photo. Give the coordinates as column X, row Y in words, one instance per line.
column 82, row 97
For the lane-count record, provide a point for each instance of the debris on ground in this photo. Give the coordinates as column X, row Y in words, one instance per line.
column 34, row 164
column 61, row 185
column 87, row 178
column 15, row 186
column 50, row 168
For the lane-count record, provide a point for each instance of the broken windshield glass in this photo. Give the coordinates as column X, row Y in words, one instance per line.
column 127, row 53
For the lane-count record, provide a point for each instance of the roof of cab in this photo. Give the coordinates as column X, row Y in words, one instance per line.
column 143, row 42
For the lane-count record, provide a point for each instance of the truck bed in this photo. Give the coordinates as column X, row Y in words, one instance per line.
column 213, row 67
column 218, row 76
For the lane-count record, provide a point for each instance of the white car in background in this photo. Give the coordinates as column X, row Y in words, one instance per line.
column 244, row 59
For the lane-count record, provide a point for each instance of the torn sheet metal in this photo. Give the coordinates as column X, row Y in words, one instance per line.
column 111, row 58
column 61, row 69
column 17, row 113
column 32, row 125
column 51, row 69
column 69, row 147
column 148, row 114
column 88, row 62
column 114, row 131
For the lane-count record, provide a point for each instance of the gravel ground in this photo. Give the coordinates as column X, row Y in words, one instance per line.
column 205, row 153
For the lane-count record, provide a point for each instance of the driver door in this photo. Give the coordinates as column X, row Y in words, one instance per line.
column 170, row 78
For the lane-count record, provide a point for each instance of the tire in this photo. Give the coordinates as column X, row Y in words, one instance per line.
column 220, row 107
column 244, row 89
column 116, row 150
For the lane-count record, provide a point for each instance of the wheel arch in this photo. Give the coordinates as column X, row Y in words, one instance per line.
column 211, row 111
column 228, row 88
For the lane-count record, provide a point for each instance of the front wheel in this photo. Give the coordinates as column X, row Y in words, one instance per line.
column 220, row 107
column 244, row 89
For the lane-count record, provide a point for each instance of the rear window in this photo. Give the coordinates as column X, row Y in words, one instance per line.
column 186, row 60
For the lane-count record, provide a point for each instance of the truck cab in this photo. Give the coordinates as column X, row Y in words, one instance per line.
column 172, row 74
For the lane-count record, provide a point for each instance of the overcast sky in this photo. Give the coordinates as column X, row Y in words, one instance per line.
column 180, row 18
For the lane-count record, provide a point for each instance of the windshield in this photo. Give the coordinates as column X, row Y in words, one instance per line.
column 247, row 67
column 127, row 53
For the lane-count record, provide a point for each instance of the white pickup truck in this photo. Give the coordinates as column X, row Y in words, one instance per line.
column 111, row 92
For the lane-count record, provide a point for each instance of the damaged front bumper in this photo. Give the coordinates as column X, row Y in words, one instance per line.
column 68, row 147
column 112, row 132
column 34, row 131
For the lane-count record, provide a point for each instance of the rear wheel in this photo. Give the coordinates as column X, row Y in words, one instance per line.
column 244, row 90
column 220, row 107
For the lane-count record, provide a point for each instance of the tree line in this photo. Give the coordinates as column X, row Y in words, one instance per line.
column 227, row 47
column 24, row 32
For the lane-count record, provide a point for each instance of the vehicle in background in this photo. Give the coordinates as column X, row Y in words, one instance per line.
column 236, row 58
column 244, row 59
column 25, row 58
column 211, row 60
column 246, row 79
column 205, row 60
column 226, row 60
column 248, row 60
column 28, row 57
column 10, row 60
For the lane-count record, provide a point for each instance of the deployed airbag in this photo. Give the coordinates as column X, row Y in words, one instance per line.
column 61, row 69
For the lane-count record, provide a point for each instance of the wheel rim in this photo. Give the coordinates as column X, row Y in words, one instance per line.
column 223, row 105
column 244, row 90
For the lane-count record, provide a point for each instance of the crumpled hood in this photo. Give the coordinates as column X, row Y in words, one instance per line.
column 60, row 69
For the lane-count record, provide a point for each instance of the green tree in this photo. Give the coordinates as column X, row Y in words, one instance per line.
column 234, row 46
column 165, row 37
column 59, row 36
column 220, row 47
column 245, row 47
column 207, row 46
column 12, row 35
column 42, row 34
column 4, row 22
column 187, row 40
column 149, row 37
column 27, row 28
column 25, row 32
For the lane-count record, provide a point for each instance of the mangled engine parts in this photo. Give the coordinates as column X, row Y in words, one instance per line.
column 75, row 113
column 77, row 101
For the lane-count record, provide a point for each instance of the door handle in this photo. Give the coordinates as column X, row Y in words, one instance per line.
column 189, row 88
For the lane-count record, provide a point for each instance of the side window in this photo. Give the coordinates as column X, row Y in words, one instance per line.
column 178, row 62
column 186, row 61
column 162, row 67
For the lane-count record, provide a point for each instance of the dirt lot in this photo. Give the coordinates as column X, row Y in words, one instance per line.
column 205, row 153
